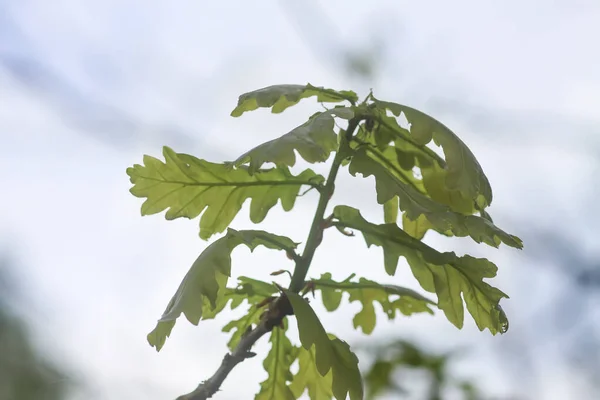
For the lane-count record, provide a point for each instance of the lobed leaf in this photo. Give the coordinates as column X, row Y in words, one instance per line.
column 187, row 186
column 418, row 227
column 390, row 210
column 248, row 289
column 392, row 298
column 277, row 364
column 387, row 132
column 330, row 354
column 445, row 274
column 314, row 141
column 280, row 97
column 202, row 290
column 252, row 292
column 309, row 378
column 401, row 158
column 415, row 204
column 405, row 155
column 464, row 171
column 434, row 183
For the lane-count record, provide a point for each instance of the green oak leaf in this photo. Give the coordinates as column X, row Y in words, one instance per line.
column 330, row 354
column 376, row 135
column 241, row 325
column 391, row 298
column 390, row 210
column 400, row 160
column 248, row 289
column 404, row 156
column 309, row 379
column 434, row 182
column 390, row 158
column 388, row 130
column 414, row 204
column 277, row 364
column 251, row 291
column 188, row 186
column 418, row 227
column 280, row 97
column 445, row 274
column 314, row 141
column 464, row 171
column 199, row 291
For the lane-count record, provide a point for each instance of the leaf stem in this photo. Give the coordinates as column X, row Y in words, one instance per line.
column 315, row 234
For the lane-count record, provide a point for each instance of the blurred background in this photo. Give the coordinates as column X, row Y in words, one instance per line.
column 87, row 88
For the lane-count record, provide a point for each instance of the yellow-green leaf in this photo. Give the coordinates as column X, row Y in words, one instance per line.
column 187, row 186
column 330, row 354
column 251, row 291
column 392, row 298
column 464, row 171
column 390, row 210
column 415, row 203
column 314, row 141
column 309, row 379
column 280, row 97
column 203, row 287
column 445, row 274
column 277, row 364
column 419, row 226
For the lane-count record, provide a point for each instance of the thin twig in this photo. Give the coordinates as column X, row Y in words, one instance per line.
column 281, row 307
column 242, row 351
column 272, row 317
column 315, row 234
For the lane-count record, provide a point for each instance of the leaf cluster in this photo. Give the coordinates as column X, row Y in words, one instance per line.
column 418, row 190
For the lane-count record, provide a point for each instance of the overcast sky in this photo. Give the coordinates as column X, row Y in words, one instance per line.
column 87, row 88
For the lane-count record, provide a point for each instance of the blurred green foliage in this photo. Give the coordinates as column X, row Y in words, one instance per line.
column 24, row 373
column 388, row 377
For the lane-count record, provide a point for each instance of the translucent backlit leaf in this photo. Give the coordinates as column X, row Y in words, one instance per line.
column 464, row 172
column 434, row 183
column 415, row 204
column 280, row 97
column 186, row 187
column 390, row 210
column 406, row 154
column 445, row 274
column 251, row 291
column 392, row 298
column 330, row 354
column 201, row 288
column 309, row 379
column 392, row 147
column 388, row 130
column 314, row 141
column 418, row 227
column 277, row 364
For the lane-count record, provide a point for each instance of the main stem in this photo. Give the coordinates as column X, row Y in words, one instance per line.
column 208, row 388
column 316, row 229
